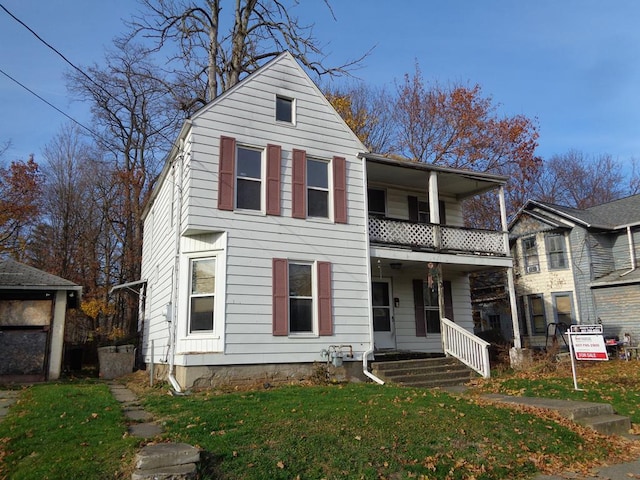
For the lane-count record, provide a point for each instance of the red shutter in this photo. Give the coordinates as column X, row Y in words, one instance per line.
column 280, row 315
column 226, row 173
column 418, row 303
column 325, row 310
column 299, row 181
column 274, row 155
column 339, row 190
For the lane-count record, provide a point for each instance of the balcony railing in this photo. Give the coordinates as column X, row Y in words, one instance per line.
column 436, row 237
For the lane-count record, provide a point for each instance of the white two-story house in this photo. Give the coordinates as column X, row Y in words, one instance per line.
column 273, row 241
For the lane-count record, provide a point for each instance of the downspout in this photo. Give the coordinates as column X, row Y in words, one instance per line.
column 631, row 252
column 365, row 355
column 176, row 272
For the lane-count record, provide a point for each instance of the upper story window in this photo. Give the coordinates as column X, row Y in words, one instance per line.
column 556, row 251
column 420, row 212
column 202, row 295
column 377, row 201
column 530, row 254
column 317, row 188
column 284, row 109
column 249, row 179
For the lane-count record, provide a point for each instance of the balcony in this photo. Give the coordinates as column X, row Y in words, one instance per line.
column 437, row 238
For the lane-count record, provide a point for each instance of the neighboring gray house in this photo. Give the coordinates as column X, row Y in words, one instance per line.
column 273, row 241
column 577, row 266
column 33, row 307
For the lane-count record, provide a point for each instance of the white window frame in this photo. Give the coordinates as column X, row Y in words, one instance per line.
column 262, row 180
column 293, row 109
column 328, row 189
column 191, row 295
column 314, row 299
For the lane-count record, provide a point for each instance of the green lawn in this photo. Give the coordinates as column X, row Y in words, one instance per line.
column 66, row 430
column 360, row 431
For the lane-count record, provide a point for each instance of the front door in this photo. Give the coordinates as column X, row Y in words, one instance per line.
column 384, row 333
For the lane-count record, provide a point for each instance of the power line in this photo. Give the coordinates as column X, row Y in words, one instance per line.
column 82, row 72
column 49, row 103
column 46, row 43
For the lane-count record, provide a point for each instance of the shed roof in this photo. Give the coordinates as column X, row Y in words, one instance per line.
column 18, row 276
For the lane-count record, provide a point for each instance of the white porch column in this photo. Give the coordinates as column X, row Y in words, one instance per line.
column 57, row 335
column 434, row 204
column 503, row 219
column 517, row 342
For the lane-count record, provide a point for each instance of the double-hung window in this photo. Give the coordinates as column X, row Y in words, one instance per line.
column 300, row 298
column 431, row 307
column 302, row 304
column 556, row 251
column 562, row 305
column 536, row 314
column 249, row 179
column 202, row 290
column 317, row 188
column 530, row 254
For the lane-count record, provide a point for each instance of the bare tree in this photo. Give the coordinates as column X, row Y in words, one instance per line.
column 132, row 109
column 210, row 58
column 369, row 113
column 578, row 180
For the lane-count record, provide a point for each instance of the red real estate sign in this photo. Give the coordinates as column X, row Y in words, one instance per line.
column 589, row 347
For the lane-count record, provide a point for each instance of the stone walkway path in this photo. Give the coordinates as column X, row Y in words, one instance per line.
column 141, row 422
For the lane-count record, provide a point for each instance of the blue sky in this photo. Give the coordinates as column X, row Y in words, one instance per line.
column 572, row 64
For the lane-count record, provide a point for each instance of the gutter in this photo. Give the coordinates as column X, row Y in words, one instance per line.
column 631, row 252
column 176, row 274
column 365, row 355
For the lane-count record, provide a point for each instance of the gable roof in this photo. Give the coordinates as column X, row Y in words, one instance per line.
column 607, row 216
column 18, row 276
column 285, row 56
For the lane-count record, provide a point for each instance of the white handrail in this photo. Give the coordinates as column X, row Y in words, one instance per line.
column 466, row 347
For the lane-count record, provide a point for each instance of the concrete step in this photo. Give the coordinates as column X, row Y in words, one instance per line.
column 611, row 424
column 599, row 416
column 176, row 472
column 427, row 372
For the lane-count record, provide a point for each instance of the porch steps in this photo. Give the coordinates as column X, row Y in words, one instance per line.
column 424, row 372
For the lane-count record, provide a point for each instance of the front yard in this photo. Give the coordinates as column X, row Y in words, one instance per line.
column 75, row 430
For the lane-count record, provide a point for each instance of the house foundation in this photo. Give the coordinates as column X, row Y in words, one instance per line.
column 245, row 376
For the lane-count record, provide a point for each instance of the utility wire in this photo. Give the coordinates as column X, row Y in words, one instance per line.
column 46, row 43
column 82, row 72
column 49, row 103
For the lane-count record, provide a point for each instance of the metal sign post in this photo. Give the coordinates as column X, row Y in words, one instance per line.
column 586, row 343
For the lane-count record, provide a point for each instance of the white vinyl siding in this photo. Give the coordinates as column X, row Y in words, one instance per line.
column 247, row 114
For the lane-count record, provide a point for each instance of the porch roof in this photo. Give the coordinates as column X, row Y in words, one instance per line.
column 452, row 181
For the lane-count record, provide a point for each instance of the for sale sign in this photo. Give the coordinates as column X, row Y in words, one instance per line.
column 589, row 347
